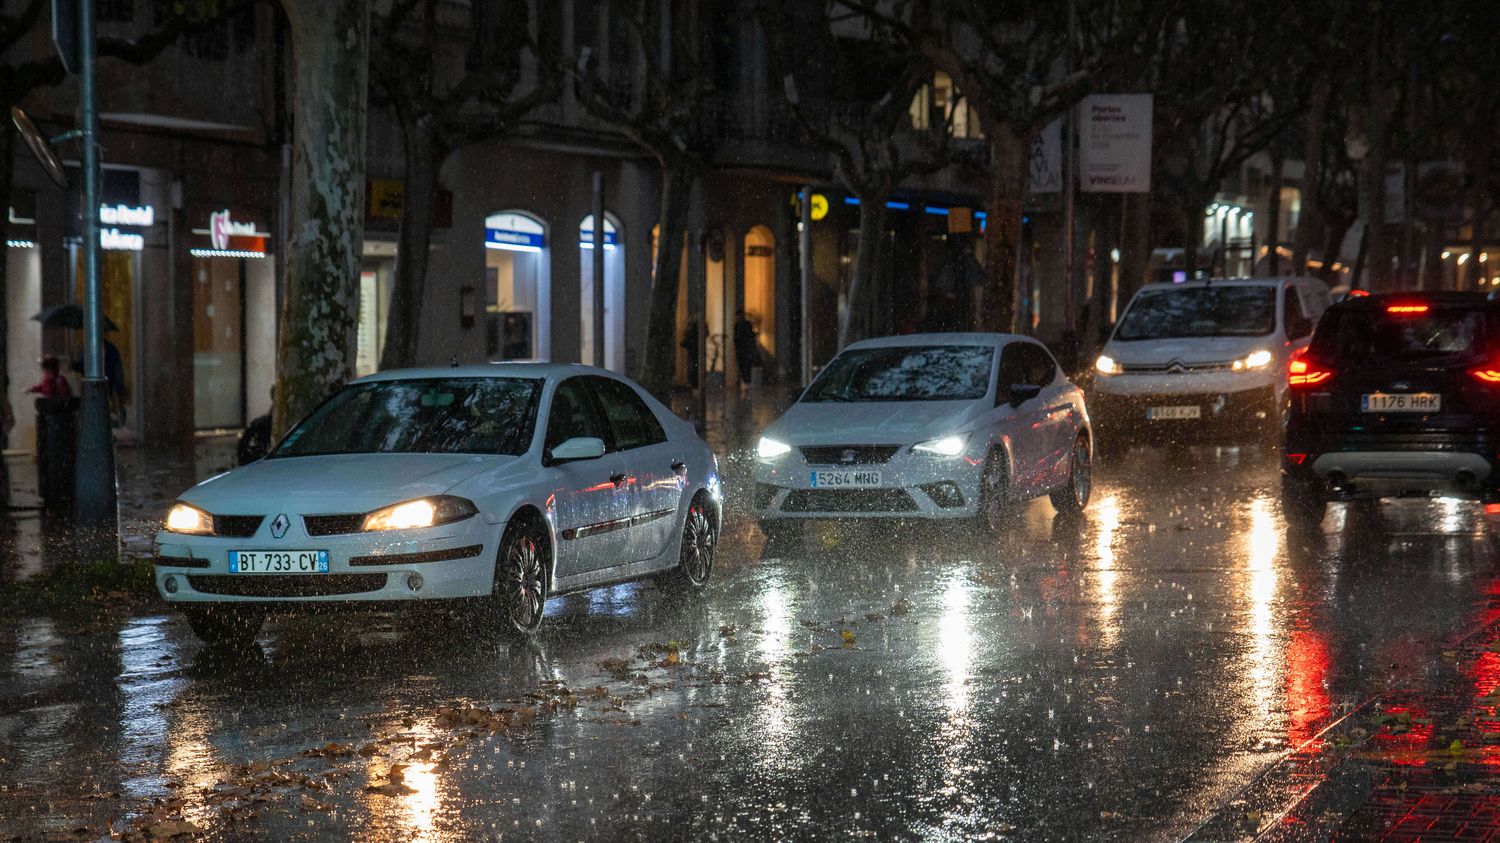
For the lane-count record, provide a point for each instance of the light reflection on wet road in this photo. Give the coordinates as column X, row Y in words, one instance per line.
column 1121, row 677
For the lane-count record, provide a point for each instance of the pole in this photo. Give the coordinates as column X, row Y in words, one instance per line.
column 94, row 494
column 598, row 264
column 804, row 255
column 1070, row 179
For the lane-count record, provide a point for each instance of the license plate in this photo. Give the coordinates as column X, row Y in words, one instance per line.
column 1401, row 402
column 278, row 561
column 844, row 479
column 1189, row 412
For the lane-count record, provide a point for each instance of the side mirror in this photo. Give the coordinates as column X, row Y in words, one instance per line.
column 1020, row 393
column 578, row 448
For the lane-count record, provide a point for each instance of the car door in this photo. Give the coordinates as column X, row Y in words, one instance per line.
column 1022, row 425
column 592, row 503
column 638, row 439
column 1058, row 415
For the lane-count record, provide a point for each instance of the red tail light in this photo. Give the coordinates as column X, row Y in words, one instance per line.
column 1489, row 373
column 1296, row 459
column 1303, row 372
column 1406, row 309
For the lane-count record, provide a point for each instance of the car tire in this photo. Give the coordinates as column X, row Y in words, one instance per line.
column 226, row 625
column 994, row 510
column 695, row 561
column 1302, row 502
column 518, row 598
column 1072, row 498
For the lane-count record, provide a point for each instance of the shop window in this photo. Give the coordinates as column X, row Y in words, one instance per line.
column 939, row 103
column 515, row 267
column 760, row 286
column 614, row 293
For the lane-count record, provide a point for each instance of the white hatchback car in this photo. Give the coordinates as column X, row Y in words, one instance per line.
column 934, row 426
column 505, row 483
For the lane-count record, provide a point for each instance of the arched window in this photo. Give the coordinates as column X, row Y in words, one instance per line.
column 760, row 285
column 516, row 287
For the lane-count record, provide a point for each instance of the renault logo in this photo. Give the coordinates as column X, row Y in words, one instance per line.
column 280, row 525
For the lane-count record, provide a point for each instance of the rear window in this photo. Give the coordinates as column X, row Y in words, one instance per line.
column 1230, row 311
column 1374, row 334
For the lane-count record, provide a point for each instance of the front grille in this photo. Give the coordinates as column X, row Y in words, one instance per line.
column 849, row 454
column 333, row 525
column 289, row 585
column 179, row 562
column 1175, row 368
column 849, row 500
column 237, row 526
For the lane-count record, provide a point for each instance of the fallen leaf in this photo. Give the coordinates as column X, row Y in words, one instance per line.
column 848, row 636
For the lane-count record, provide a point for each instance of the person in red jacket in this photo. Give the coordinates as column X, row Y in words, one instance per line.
column 52, row 384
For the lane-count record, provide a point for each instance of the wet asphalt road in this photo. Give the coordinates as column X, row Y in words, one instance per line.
column 1121, row 677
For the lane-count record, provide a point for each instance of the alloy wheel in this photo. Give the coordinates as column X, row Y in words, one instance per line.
column 697, row 545
column 1083, row 472
column 523, row 584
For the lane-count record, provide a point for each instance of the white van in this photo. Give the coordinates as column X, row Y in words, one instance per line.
column 1203, row 361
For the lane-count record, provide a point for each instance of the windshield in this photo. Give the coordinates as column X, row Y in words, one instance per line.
column 437, row 416
column 909, row 373
column 1200, row 312
column 1372, row 334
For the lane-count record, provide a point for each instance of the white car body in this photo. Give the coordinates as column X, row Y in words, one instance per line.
column 1204, row 384
column 611, row 518
column 1034, row 440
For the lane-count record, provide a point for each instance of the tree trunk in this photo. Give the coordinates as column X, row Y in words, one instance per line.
column 1309, row 217
column 424, row 156
column 1009, row 158
column 7, row 179
column 330, row 43
column 1273, row 210
column 658, row 367
column 1135, row 254
column 857, row 320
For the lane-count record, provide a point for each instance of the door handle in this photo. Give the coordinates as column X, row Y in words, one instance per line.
column 679, row 468
column 617, row 479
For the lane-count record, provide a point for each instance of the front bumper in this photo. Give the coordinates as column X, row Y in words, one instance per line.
column 911, row 486
column 449, row 561
column 1222, row 415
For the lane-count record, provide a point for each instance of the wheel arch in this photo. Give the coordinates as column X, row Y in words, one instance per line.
column 529, row 513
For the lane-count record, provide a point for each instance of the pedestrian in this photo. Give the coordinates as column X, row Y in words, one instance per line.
column 52, row 384
column 746, row 346
column 690, row 345
column 114, row 374
column 255, row 441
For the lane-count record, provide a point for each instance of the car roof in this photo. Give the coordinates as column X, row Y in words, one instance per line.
column 1451, row 298
column 490, row 370
column 1273, row 281
column 949, row 338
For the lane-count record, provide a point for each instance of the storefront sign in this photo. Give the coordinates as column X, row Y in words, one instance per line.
column 505, row 238
column 137, row 215
column 1114, row 143
column 1046, row 173
column 221, row 227
column 121, row 241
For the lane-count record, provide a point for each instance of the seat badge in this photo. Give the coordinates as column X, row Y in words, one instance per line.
column 279, row 526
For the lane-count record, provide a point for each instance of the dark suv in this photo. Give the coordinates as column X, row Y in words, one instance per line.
column 1398, row 395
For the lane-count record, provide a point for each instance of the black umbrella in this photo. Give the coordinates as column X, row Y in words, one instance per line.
column 68, row 316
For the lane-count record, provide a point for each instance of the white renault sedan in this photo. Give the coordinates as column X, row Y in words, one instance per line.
column 502, row 483
column 935, row 426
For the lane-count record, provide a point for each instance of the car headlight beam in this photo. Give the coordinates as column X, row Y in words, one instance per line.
column 1106, row 365
column 1258, row 359
column 422, row 512
column 770, row 449
column 947, row 446
column 190, row 520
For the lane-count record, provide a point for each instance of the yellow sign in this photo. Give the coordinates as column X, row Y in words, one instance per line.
column 386, row 198
column 819, row 204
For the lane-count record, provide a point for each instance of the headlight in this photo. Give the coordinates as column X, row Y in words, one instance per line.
column 768, row 449
column 948, row 446
column 1107, row 366
column 422, row 512
column 1254, row 360
column 189, row 519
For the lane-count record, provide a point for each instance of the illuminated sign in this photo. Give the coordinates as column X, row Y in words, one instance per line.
column 121, row 241
column 819, row 204
column 221, row 227
column 137, row 215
